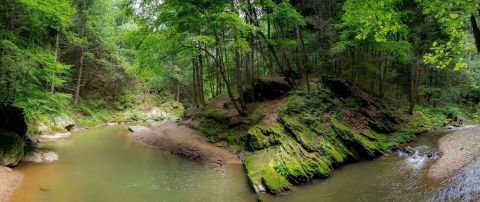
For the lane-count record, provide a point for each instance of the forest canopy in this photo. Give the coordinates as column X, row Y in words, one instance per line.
column 55, row 55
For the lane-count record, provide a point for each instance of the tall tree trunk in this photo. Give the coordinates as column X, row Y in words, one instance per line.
column 219, row 61
column 239, row 81
column 381, row 75
column 306, row 62
column 79, row 78
column 82, row 57
column 413, row 86
column 476, row 31
column 200, row 80
column 52, row 87
column 194, row 83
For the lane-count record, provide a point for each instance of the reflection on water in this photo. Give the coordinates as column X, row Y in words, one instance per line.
column 105, row 165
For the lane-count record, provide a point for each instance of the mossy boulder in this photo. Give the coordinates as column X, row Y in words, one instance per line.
column 11, row 149
column 217, row 115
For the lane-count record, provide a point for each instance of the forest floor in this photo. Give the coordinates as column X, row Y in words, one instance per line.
column 9, row 181
column 185, row 142
column 459, row 149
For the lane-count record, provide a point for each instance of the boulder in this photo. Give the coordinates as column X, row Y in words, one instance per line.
column 267, row 88
column 64, row 123
column 156, row 113
column 137, row 129
column 11, row 149
column 41, row 157
column 48, row 138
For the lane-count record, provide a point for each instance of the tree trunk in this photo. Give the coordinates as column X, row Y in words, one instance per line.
column 239, row 81
column 52, row 87
column 413, row 87
column 476, row 32
column 194, row 83
column 200, row 81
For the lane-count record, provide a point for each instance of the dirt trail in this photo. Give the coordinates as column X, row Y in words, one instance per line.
column 459, row 149
column 9, row 182
column 185, row 142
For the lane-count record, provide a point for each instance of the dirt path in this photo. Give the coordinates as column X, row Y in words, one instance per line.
column 459, row 148
column 185, row 142
column 9, row 182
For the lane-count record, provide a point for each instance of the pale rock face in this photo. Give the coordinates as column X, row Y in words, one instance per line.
column 47, row 138
column 41, row 157
column 64, row 123
column 137, row 129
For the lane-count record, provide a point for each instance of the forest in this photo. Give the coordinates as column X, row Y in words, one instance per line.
column 291, row 89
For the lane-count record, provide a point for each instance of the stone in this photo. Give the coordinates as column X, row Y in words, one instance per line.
column 48, row 138
column 41, row 157
column 137, row 129
column 11, row 149
column 64, row 123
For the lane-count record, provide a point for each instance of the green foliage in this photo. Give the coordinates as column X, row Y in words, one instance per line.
column 452, row 15
column 425, row 118
column 375, row 23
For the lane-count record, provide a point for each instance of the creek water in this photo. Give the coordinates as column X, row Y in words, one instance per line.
column 104, row 164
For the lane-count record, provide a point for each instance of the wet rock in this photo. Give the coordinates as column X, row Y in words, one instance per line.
column 41, row 157
column 48, row 138
column 137, row 129
column 407, row 151
column 434, row 154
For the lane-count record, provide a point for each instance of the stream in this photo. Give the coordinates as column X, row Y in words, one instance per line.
column 104, row 164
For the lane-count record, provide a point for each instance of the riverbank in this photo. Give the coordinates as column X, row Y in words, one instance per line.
column 184, row 142
column 459, row 148
column 9, row 181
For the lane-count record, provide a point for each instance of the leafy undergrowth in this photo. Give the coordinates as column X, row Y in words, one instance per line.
column 315, row 133
column 95, row 111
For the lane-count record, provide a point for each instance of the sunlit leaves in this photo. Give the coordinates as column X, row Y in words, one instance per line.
column 453, row 16
column 378, row 23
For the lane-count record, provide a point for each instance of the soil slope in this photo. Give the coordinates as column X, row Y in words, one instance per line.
column 185, row 142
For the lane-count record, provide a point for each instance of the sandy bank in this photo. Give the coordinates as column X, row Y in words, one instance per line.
column 459, row 148
column 9, row 182
column 185, row 142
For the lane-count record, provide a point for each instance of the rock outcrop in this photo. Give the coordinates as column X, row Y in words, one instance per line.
column 138, row 129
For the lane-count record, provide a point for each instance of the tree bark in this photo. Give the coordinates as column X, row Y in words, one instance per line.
column 476, row 32
column 200, row 80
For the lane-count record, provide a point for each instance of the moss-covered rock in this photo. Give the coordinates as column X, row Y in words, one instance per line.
column 217, row 115
column 11, row 149
column 361, row 143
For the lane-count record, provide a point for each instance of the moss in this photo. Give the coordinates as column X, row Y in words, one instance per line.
column 217, row 115
column 274, row 182
column 298, row 164
column 262, row 175
column 261, row 136
column 369, row 147
column 399, row 138
column 301, row 132
column 11, row 149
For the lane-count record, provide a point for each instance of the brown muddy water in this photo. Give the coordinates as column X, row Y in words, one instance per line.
column 104, row 164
